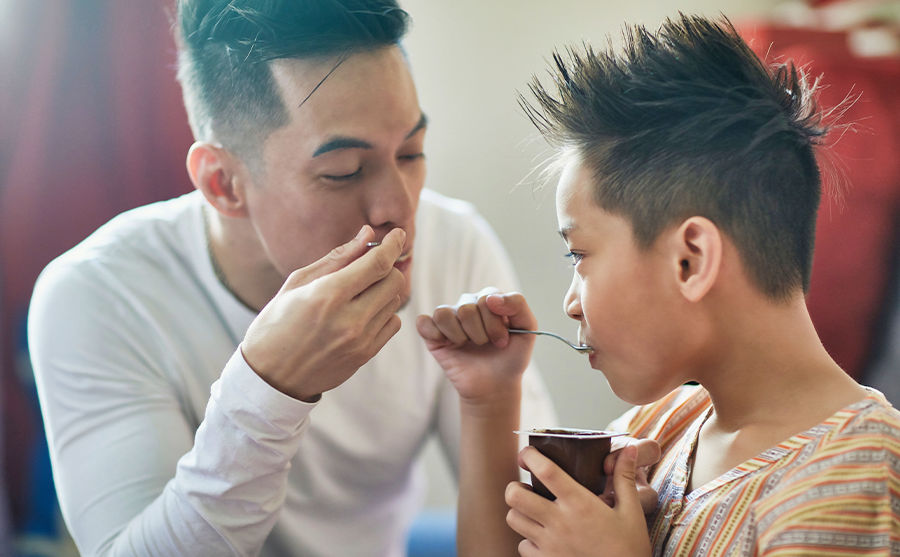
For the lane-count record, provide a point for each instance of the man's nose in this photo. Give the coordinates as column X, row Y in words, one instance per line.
column 391, row 200
column 572, row 301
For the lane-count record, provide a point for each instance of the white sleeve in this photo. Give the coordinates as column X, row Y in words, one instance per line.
column 132, row 476
column 489, row 265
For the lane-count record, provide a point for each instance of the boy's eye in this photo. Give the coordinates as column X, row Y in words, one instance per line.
column 411, row 157
column 574, row 257
column 342, row 177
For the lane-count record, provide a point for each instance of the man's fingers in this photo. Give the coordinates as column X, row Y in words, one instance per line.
column 388, row 330
column 336, row 259
column 370, row 267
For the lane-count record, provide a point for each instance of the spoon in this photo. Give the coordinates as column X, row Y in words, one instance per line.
column 584, row 348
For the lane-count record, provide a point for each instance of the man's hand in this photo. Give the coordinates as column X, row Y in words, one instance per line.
column 329, row 318
column 578, row 523
column 471, row 342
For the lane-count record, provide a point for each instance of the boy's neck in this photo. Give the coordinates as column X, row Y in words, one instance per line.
column 774, row 370
column 773, row 381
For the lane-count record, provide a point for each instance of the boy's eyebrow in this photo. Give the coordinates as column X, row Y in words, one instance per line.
column 353, row 143
column 566, row 230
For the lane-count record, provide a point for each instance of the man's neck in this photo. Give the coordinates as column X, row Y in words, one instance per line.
column 239, row 261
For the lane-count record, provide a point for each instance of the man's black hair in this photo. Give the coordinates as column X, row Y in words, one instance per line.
column 225, row 47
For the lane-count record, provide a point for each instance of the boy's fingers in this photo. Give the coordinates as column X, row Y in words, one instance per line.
column 428, row 330
column 521, row 498
column 472, row 323
column 447, row 322
column 552, row 476
column 522, row 524
column 648, row 452
column 494, row 325
column 513, row 306
column 625, row 481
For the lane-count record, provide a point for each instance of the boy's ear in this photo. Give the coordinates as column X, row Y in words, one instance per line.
column 698, row 248
column 214, row 171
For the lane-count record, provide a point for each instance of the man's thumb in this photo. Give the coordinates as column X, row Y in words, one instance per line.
column 336, row 259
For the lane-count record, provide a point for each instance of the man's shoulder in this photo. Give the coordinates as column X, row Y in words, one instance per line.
column 436, row 208
column 134, row 244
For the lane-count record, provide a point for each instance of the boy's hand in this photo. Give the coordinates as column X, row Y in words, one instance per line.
column 648, row 455
column 578, row 523
column 472, row 343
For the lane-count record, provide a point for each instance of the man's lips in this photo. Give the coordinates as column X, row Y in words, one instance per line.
column 403, row 261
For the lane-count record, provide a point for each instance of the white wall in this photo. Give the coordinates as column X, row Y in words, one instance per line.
column 469, row 59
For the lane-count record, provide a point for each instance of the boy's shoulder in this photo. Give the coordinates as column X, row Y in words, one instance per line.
column 668, row 418
column 871, row 425
column 848, row 466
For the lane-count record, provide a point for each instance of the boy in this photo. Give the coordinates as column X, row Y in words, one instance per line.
column 688, row 202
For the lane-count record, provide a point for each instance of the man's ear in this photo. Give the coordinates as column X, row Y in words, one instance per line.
column 213, row 170
column 698, row 248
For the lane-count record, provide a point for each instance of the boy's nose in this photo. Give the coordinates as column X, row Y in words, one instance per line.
column 572, row 301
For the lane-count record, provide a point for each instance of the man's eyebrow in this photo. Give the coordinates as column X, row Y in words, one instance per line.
column 341, row 143
column 353, row 143
column 423, row 121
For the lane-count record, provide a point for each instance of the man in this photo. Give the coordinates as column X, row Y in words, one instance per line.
column 263, row 289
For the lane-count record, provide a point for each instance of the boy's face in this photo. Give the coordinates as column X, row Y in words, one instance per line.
column 352, row 154
column 619, row 294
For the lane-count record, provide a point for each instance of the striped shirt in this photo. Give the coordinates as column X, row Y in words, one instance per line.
column 831, row 490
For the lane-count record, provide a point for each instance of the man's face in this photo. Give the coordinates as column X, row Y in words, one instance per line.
column 619, row 295
column 352, row 154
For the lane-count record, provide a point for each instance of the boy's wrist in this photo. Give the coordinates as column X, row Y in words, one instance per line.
column 498, row 403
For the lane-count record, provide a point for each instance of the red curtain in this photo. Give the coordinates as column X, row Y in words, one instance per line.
column 91, row 124
column 855, row 258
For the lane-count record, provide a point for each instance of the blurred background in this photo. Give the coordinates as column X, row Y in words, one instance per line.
column 91, row 124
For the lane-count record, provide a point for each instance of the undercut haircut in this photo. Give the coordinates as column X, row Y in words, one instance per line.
column 688, row 121
column 225, row 47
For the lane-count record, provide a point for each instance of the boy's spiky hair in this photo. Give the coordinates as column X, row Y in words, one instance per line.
column 689, row 121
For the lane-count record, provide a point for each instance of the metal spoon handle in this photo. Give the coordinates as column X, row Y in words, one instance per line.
column 578, row 347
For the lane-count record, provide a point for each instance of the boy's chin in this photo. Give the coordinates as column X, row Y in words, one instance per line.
column 636, row 393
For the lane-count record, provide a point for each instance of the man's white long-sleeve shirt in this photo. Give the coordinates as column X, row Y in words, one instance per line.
column 164, row 442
